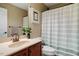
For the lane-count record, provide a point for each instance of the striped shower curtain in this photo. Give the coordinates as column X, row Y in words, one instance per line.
column 60, row 29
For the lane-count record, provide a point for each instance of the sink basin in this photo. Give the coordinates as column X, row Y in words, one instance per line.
column 17, row 44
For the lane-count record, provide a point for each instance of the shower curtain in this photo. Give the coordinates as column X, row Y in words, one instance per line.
column 60, row 29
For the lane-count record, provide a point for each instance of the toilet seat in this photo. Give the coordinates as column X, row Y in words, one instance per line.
column 47, row 50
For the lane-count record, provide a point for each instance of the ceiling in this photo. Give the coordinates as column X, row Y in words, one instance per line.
column 21, row 5
column 25, row 5
column 49, row 5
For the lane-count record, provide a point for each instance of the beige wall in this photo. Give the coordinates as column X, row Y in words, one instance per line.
column 36, row 28
column 15, row 15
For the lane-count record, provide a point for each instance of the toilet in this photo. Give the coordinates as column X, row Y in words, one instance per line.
column 48, row 51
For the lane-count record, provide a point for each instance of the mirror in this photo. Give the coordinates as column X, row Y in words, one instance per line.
column 25, row 22
column 3, row 22
column 12, row 19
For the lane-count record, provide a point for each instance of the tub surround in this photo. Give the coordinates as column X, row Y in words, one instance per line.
column 6, row 50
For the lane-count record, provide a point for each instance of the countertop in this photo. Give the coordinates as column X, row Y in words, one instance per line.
column 5, row 50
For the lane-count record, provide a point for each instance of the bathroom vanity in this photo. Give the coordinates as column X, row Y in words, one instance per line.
column 24, row 47
column 34, row 50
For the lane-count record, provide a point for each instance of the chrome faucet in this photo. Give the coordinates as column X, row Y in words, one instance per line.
column 15, row 37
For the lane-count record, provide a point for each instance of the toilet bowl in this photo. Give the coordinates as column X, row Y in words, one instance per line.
column 48, row 51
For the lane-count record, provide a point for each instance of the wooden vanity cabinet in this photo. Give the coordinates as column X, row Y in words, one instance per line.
column 34, row 50
column 23, row 52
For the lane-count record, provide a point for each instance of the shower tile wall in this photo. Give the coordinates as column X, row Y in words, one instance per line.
column 60, row 29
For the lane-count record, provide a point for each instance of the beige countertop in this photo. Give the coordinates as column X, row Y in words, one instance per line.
column 6, row 50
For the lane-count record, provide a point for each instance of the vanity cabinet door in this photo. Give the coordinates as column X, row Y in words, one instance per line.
column 35, row 50
column 21, row 53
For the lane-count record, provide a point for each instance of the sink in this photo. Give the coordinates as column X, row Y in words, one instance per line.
column 17, row 44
